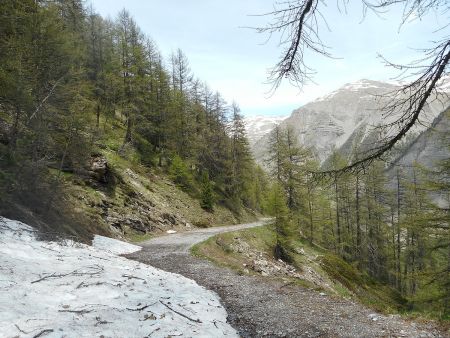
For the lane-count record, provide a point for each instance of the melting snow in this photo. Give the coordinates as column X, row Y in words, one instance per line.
column 113, row 245
column 73, row 290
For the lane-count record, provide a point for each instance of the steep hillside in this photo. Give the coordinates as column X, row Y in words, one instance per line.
column 250, row 252
column 97, row 135
column 423, row 156
column 343, row 119
column 430, row 147
column 115, row 195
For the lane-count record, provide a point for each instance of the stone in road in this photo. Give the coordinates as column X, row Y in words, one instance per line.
column 264, row 307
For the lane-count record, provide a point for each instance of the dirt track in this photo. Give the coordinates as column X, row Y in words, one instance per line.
column 263, row 307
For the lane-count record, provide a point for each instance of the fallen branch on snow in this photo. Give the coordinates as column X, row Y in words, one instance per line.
column 22, row 331
column 97, row 269
column 83, row 284
column 132, row 277
column 80, row 312
column 141, row 308
column 43, row 332
column 179, row 313
column 101, row 322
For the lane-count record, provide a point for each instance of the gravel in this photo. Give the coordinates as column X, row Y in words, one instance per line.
column 263, row 307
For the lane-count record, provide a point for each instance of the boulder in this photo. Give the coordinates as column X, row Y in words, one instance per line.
column 170, row 218
column 98, row 168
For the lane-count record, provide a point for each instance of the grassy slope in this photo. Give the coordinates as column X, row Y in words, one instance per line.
column 137, row 203
column 330, row 273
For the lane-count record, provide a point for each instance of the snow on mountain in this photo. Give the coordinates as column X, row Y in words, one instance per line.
column 329, row 122
column 444, row 84
column 68, row 289
column 258, row 126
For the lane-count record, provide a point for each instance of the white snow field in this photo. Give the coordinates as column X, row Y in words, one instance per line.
column 67, row 289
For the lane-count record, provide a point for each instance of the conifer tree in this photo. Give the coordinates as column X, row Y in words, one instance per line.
column 283, row 226
column 207, row 194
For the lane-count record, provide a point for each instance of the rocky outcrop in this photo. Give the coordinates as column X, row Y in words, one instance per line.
column 265, row 265
column 142, row 216
column 127, row 206
column 98, row 168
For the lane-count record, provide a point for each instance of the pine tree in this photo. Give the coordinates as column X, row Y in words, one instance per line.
column 241, row 158
column 283, row 226
column 207, row 194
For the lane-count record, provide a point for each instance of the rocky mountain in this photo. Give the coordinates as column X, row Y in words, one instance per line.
column 343, row 119
column 428, row 148
column 259, row 126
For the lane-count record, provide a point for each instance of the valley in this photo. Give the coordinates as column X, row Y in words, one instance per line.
column 159, row 179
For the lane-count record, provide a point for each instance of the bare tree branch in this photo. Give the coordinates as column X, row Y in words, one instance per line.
column 408, row 102
column 89, row 271
column 43, row 333
column 298, row 23
column 46, row 98
column 179, row 313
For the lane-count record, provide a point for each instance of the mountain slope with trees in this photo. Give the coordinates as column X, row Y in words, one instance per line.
column 88, row 103
column 386, row 221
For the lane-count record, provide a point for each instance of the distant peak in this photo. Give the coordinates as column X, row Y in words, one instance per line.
column 265, row 117
column 364, row 84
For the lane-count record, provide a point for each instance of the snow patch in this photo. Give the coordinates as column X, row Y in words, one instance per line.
column 361, row 84
column 114, row 246
column 444, row 84
column 258, row 126
column 74, row 290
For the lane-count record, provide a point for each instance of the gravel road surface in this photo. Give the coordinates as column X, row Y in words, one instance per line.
column 263, row 307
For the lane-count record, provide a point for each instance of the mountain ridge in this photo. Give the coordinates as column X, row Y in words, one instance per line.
column 349, row 113
column 259, row 125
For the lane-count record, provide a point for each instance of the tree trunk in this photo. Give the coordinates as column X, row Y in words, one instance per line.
column 338, row 224
column 399, row 273
column 358, row 222
column 98, row 116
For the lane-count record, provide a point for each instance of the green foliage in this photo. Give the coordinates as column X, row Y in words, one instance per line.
column 379, row 296
column 145, row 149
column 283, row 225
column 207, row 193
column 393, row 230
column 73, row 83
column 179, row 172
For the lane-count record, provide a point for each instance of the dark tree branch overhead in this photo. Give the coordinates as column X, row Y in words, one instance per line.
column 298, row 23
column 408, row 102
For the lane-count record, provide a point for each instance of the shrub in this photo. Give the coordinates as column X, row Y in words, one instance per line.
column 179, row 173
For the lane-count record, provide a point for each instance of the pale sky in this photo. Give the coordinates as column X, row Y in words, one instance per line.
column 234, row 60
